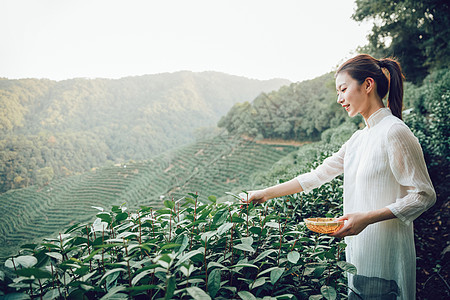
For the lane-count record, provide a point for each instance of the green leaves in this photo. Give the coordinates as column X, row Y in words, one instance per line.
column 109, row 272
column 348, row 267
column 17, row 296
column 35, row 272
column 169, row 204
column 105, row 217
column 170, row 289
column 246, row 295
column 187, row 256
column 328, row 292
column 174, row 254
column 293, row 257
column 258, row 282
column 197, row 293
column 26, row 261
column 55, row 255
column 275, row 274
column 224, row 228
column 214, row 279
column 265, row 254
column 244, row 247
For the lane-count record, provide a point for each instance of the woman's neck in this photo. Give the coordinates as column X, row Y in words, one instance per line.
column 373, row 107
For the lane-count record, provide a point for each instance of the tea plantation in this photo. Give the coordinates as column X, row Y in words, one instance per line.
column 209, row 167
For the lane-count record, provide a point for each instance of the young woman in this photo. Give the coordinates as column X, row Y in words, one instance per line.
column 386, row 182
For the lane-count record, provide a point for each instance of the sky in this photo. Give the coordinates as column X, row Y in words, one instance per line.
column 259, row 39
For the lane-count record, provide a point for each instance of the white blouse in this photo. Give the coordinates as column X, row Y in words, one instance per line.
column 383, row 166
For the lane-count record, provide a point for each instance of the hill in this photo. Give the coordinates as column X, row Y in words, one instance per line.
column 50, row 129
column 300, row 111
column 209, row 167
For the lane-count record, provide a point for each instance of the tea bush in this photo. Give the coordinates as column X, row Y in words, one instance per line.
column 192, row 249
column 429, row 120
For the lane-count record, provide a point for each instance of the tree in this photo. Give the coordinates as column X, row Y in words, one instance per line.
column 416, row 32
column 44, row 175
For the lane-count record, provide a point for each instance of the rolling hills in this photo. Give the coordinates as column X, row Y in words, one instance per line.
column 50, row 129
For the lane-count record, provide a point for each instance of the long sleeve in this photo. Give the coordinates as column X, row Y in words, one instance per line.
column 329, row 169
column 408, row 166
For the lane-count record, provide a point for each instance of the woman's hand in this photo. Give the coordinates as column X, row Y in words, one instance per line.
column 259, row 196
column 356, row 222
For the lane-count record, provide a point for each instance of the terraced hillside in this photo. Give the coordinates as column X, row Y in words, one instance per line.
column 208, row 167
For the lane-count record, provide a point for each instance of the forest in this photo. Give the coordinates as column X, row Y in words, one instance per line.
column 300, row 111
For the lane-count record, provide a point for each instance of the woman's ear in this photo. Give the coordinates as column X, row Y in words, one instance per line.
column 369, row 84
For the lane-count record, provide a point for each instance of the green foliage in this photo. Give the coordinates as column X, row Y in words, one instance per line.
column 416, row 32
column 201, row 249
column 37, row 159
column 429, row 118
column 299, row 112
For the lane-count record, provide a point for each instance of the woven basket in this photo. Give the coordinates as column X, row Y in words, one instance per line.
column 323, row 225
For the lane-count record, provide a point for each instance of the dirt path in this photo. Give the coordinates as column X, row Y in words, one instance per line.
column 275, row 141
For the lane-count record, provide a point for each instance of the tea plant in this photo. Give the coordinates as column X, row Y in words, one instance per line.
column 198, row 249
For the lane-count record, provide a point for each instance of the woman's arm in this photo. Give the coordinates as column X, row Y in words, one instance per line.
column 330, row 168
column 286, row 188
column 410, row 170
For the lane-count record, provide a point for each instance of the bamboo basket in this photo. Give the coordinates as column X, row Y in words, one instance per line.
column 323, row 225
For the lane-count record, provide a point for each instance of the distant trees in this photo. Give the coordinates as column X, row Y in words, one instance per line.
column 300, row 111
column 37, row 159
column 416, row 32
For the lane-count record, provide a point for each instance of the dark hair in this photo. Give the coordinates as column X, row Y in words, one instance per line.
column 362, row 66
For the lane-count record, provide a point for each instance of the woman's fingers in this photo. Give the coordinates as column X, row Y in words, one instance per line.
column 343, row 232
column 355, row 223
column 343, row 218
column 256, row 197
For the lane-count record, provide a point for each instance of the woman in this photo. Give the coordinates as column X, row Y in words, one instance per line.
column 386, row 183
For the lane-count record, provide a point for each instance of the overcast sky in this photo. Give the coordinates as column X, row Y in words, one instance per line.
column 261, row 39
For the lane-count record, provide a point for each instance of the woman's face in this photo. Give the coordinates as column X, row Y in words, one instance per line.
column 350, row 94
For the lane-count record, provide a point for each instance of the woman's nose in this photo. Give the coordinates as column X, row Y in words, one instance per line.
column 339, row 99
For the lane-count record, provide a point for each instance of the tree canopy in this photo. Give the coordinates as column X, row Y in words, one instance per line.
column 300, row 111
column 416, row 32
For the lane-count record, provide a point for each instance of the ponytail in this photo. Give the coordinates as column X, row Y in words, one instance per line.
column 395, row 98
column 362, row 66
